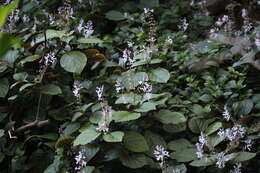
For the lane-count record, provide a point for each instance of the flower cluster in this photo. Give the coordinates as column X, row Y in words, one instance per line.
column 118, row 85
column 80, row 160
column 13, row 19
column 66, row 11
column 200, row 145
column 87, row 29
column 99, row 91
column 225, row 22
column 247, row 26
column 47, row 61
column 127, row 55
column 176, row 170
column 168, row 41
column 248, row 144
column 221, row 160
column 77, row 86
column 103, row 125
column 237, row 168
column 184, row 25
column 234, row 133
column 149, row 17
column 160, row 154
column 226, row 113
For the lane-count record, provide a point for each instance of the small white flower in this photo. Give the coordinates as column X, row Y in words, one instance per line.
column 168, row 41
column 128, row 61
column 184, row 25
column 99, row 91
column 221, row 133
column 235, row 133
column 88, row 29
column 77, row 86
column 221, row 160
column 148, row 10
column 160, row 154
column 202, row 139
column 80, row 160
column 176, row 170
column 237, row 168
column 118, row 85
column 248, row 144
column 200, row 151
column 226, row 113
column 145, row 87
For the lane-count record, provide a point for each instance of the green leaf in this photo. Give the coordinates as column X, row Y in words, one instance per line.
column 175, row 128
column 133, row 161
column 213, row 128
column 30, row 59
column 54, row 167
column 73, row 61
column 179, row 145
column 204, row 161
column 114, row 136
column 90, row 151
column 51, row 89
column 214, row 140
column 149, row 3
column 6, row 10
column 135, row 142
column 159, row 75
column 50, row 34
column 2, row 133
column 168, row 117
column 20, row 76
column 115, row 15
column 90, row 40
column 121, row 116
column 243, row 156
column 244, row 107
column 146, row 107
column 88, row 169
column 186, row 155
column 4, row 87
column 6, row 41
column 198, row 125
column 154, row 139
column 129, row 98
column 88, row 135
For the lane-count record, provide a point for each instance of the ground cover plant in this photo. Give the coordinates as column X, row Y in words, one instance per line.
column 93, row 86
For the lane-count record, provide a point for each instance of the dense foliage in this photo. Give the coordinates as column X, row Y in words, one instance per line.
column 145, row 86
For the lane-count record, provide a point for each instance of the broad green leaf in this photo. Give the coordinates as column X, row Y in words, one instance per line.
column 11, row 57
column 133, row 161
column 2, row 133
column 88, row 135
column 71, row 128
column 214, row 140
column 243, row 156
column 179, row 145
column 90, row 151
column 129, row 98
column 197, row 125
column 90, row 40
column 73, row 61
column 113, row 136
column 121, row 116
column 146, row 107
column 50, row 34
column 244, row 107
column 213, row 128
column 175, row 169
column 23, row 87
column 6, row 10
column 185, row 155
column 51, row 89
column 4, row 87
column 20, row 76
column 6, row 41
column 135, row 142
column 115, row 15
column 154, row 139
column 149, row 3
column 55, row 166
column 204, row 161
column 175, row 128
column 88, row 169
column 159, row 75
column 50, row 136
column 169, row 117
column 30, row 59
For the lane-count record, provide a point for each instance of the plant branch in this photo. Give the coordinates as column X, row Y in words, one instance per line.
column 36, row 123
